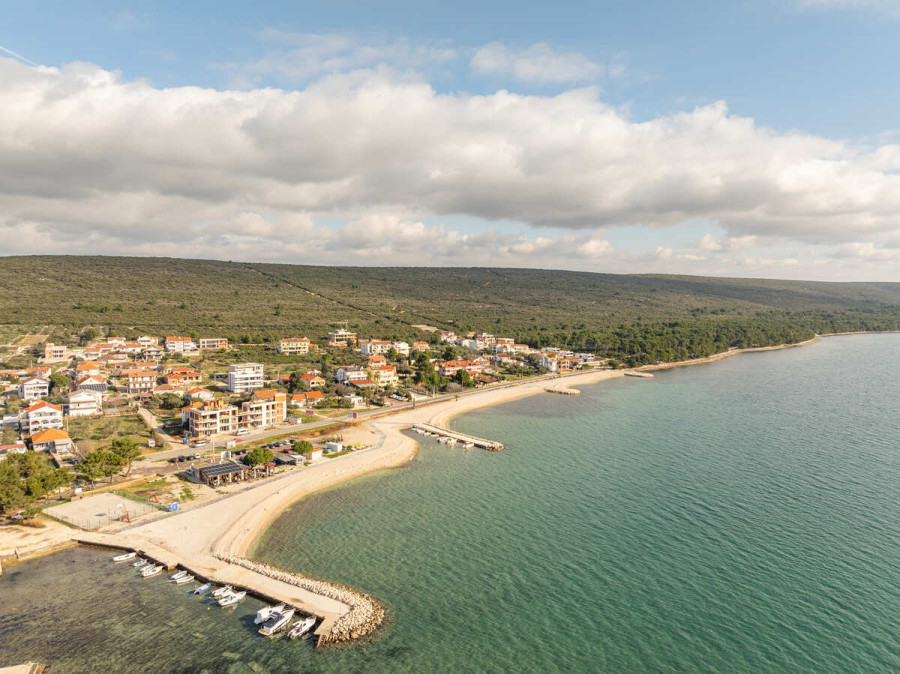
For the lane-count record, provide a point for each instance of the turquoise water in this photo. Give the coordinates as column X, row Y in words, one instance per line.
column 742, row 516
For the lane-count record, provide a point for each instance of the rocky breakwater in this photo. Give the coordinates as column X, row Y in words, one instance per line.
column 364, row 616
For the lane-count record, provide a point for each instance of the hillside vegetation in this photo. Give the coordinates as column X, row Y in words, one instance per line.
column 641, row 318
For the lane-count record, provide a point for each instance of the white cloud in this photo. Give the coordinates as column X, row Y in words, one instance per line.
column 92, row 163
column 538, row 63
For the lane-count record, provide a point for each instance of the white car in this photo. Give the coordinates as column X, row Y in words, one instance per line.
column 200, row 443
column 241, row 431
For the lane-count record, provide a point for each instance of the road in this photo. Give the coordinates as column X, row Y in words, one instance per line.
column 218, row 444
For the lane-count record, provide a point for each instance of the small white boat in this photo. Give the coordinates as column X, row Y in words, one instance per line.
column 177, row 575
column 125, row 557
column 151, row 571
column 184, row 579
column 263, row 614
column 469, row 445
column 225, row 589
column 276, row 622
column 301, row 627
column 232, row 598
column 203, row 588
column 139, row 563
column 451, row 441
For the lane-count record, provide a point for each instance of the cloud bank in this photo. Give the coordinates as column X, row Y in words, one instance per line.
column 91, row 162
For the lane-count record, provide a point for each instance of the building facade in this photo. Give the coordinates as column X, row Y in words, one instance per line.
column 243, row 377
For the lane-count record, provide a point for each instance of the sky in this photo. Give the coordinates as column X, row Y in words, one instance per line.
column 752, row 138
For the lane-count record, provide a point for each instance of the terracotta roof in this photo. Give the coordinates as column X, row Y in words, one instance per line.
column 50, row 435
column 312, row 395
column 265, row 394
column 88, row 365
column 40, row 404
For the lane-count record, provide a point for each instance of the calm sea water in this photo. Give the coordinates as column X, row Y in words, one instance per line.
column 742, row 516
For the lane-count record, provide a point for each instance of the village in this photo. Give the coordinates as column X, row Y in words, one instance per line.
column 195, row 394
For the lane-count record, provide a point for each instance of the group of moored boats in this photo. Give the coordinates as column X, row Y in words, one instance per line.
column 272, row 619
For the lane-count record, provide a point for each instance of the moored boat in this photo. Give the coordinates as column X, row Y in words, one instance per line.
column 301, row 627
column 203, row 588
column 184, row 579
column 124, row 557
column 140, row 562
column 276, row 622
column 225, row 589
column 232, row 598
column 178, row 574
column 151, row 570
column 263, row 614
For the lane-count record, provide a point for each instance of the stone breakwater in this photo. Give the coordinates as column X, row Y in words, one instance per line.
column 364, row 616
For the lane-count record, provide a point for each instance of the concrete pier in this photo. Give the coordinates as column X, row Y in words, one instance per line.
column 490, row 445
column 563, row 391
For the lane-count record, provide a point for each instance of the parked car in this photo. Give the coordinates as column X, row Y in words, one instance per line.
column 197, row 455
column 199, row 443
column 242, row 431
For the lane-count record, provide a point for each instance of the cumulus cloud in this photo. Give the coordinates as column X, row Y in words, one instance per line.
column 90, row 162
column 537, row 63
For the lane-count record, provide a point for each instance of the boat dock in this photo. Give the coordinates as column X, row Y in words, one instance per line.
column 635, row 373
column 490, row 445
column 225, row 573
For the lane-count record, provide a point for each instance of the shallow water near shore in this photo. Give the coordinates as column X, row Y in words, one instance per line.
column 738, row 516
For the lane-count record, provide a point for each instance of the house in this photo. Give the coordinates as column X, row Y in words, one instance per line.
column 210, row 417
column 152, row 353
column 53, row 353
column 307, row 399
column 298, row 400
column 85, row 403
column 131, row 347
column 362, row 383
column 169, row 388
column 315, row 454
column 88, row 367
column 115, row 342
column 383, row 375
column 38, row 372
column 421, row 346
column 377, row 360
column 342, row 337
column 200, row 393
column 502, row 358
column 243, row 377
column 451, row 367
column 182, row 378
column 349, row 373
column 40, row 415
column 213, row 343
column 180, row 345
column 52, row 440
column 370, row 347
column 33, row 388
column 266, row 407
column 293, row 346
column 311, row 381
column 146, row 341
column 91, row 383
column 15, row 448
column 449, row 337
column 138, row 381
column 402, row 348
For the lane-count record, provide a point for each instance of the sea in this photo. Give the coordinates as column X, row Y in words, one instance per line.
column 742, row 516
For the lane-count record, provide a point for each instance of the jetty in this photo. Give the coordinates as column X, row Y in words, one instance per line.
column 490, row 445
column 563, row 391
column 635, row 373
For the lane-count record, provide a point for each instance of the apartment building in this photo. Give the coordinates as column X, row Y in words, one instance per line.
column 139, row 381
column 243, row 377
column 383, row 375
column 342, row 338
column 206, row 418
column 85, row 403
column 293, row 346
column 180, row 345
column 33, row 388
column 40, row 415
column 266, row 407
column 53, row 353
column 213, row 344
column 371, row 347
column 146, row 341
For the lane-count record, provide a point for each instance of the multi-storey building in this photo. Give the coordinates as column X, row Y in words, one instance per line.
column 54, row 352
column 180, row 345
column 293, row 346
column 33, row 388
column 85, row 403
column 139, row 381
column 266, row 407
column 342, row 337
column 383, row 375
column 370, row 347
column 243, row 377
column 213, row 343
column 210, row 417
column 40, row 415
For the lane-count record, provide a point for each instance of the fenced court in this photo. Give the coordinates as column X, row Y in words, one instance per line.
column 98, row 511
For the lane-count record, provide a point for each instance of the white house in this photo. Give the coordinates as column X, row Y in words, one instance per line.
column 34, row 388
column 40, row 415
column 85, row 403
column 370, row 347
column 52, row 440
column 401, row 347
column 350, row 373
column 181, row 345
column 293, row 346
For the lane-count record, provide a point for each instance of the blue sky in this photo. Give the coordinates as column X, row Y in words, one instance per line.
column 678, row 93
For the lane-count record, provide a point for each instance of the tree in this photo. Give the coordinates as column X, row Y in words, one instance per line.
column 449, row 353
column 101, row 463
column 59, row 382
column 127, row 450
column 259, row 456
column 303, row 447
column 464, row 378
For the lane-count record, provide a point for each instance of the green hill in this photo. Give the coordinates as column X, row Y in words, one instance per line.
column 647, row 316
